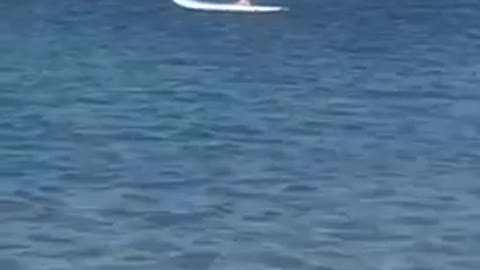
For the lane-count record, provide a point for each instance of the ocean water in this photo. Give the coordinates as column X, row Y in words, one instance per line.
column 340, row 135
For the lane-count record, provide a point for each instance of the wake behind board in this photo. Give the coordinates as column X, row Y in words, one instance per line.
column 208, row 6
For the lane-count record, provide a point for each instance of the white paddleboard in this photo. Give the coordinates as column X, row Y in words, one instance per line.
column 209, row 6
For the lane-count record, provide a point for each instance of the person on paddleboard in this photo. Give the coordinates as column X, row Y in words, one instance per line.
column 244, row 2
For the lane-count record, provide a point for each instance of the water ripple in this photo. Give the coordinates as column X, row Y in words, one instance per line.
column 340, row 136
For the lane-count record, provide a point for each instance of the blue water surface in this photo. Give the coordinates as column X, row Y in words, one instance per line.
column 340, row 135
